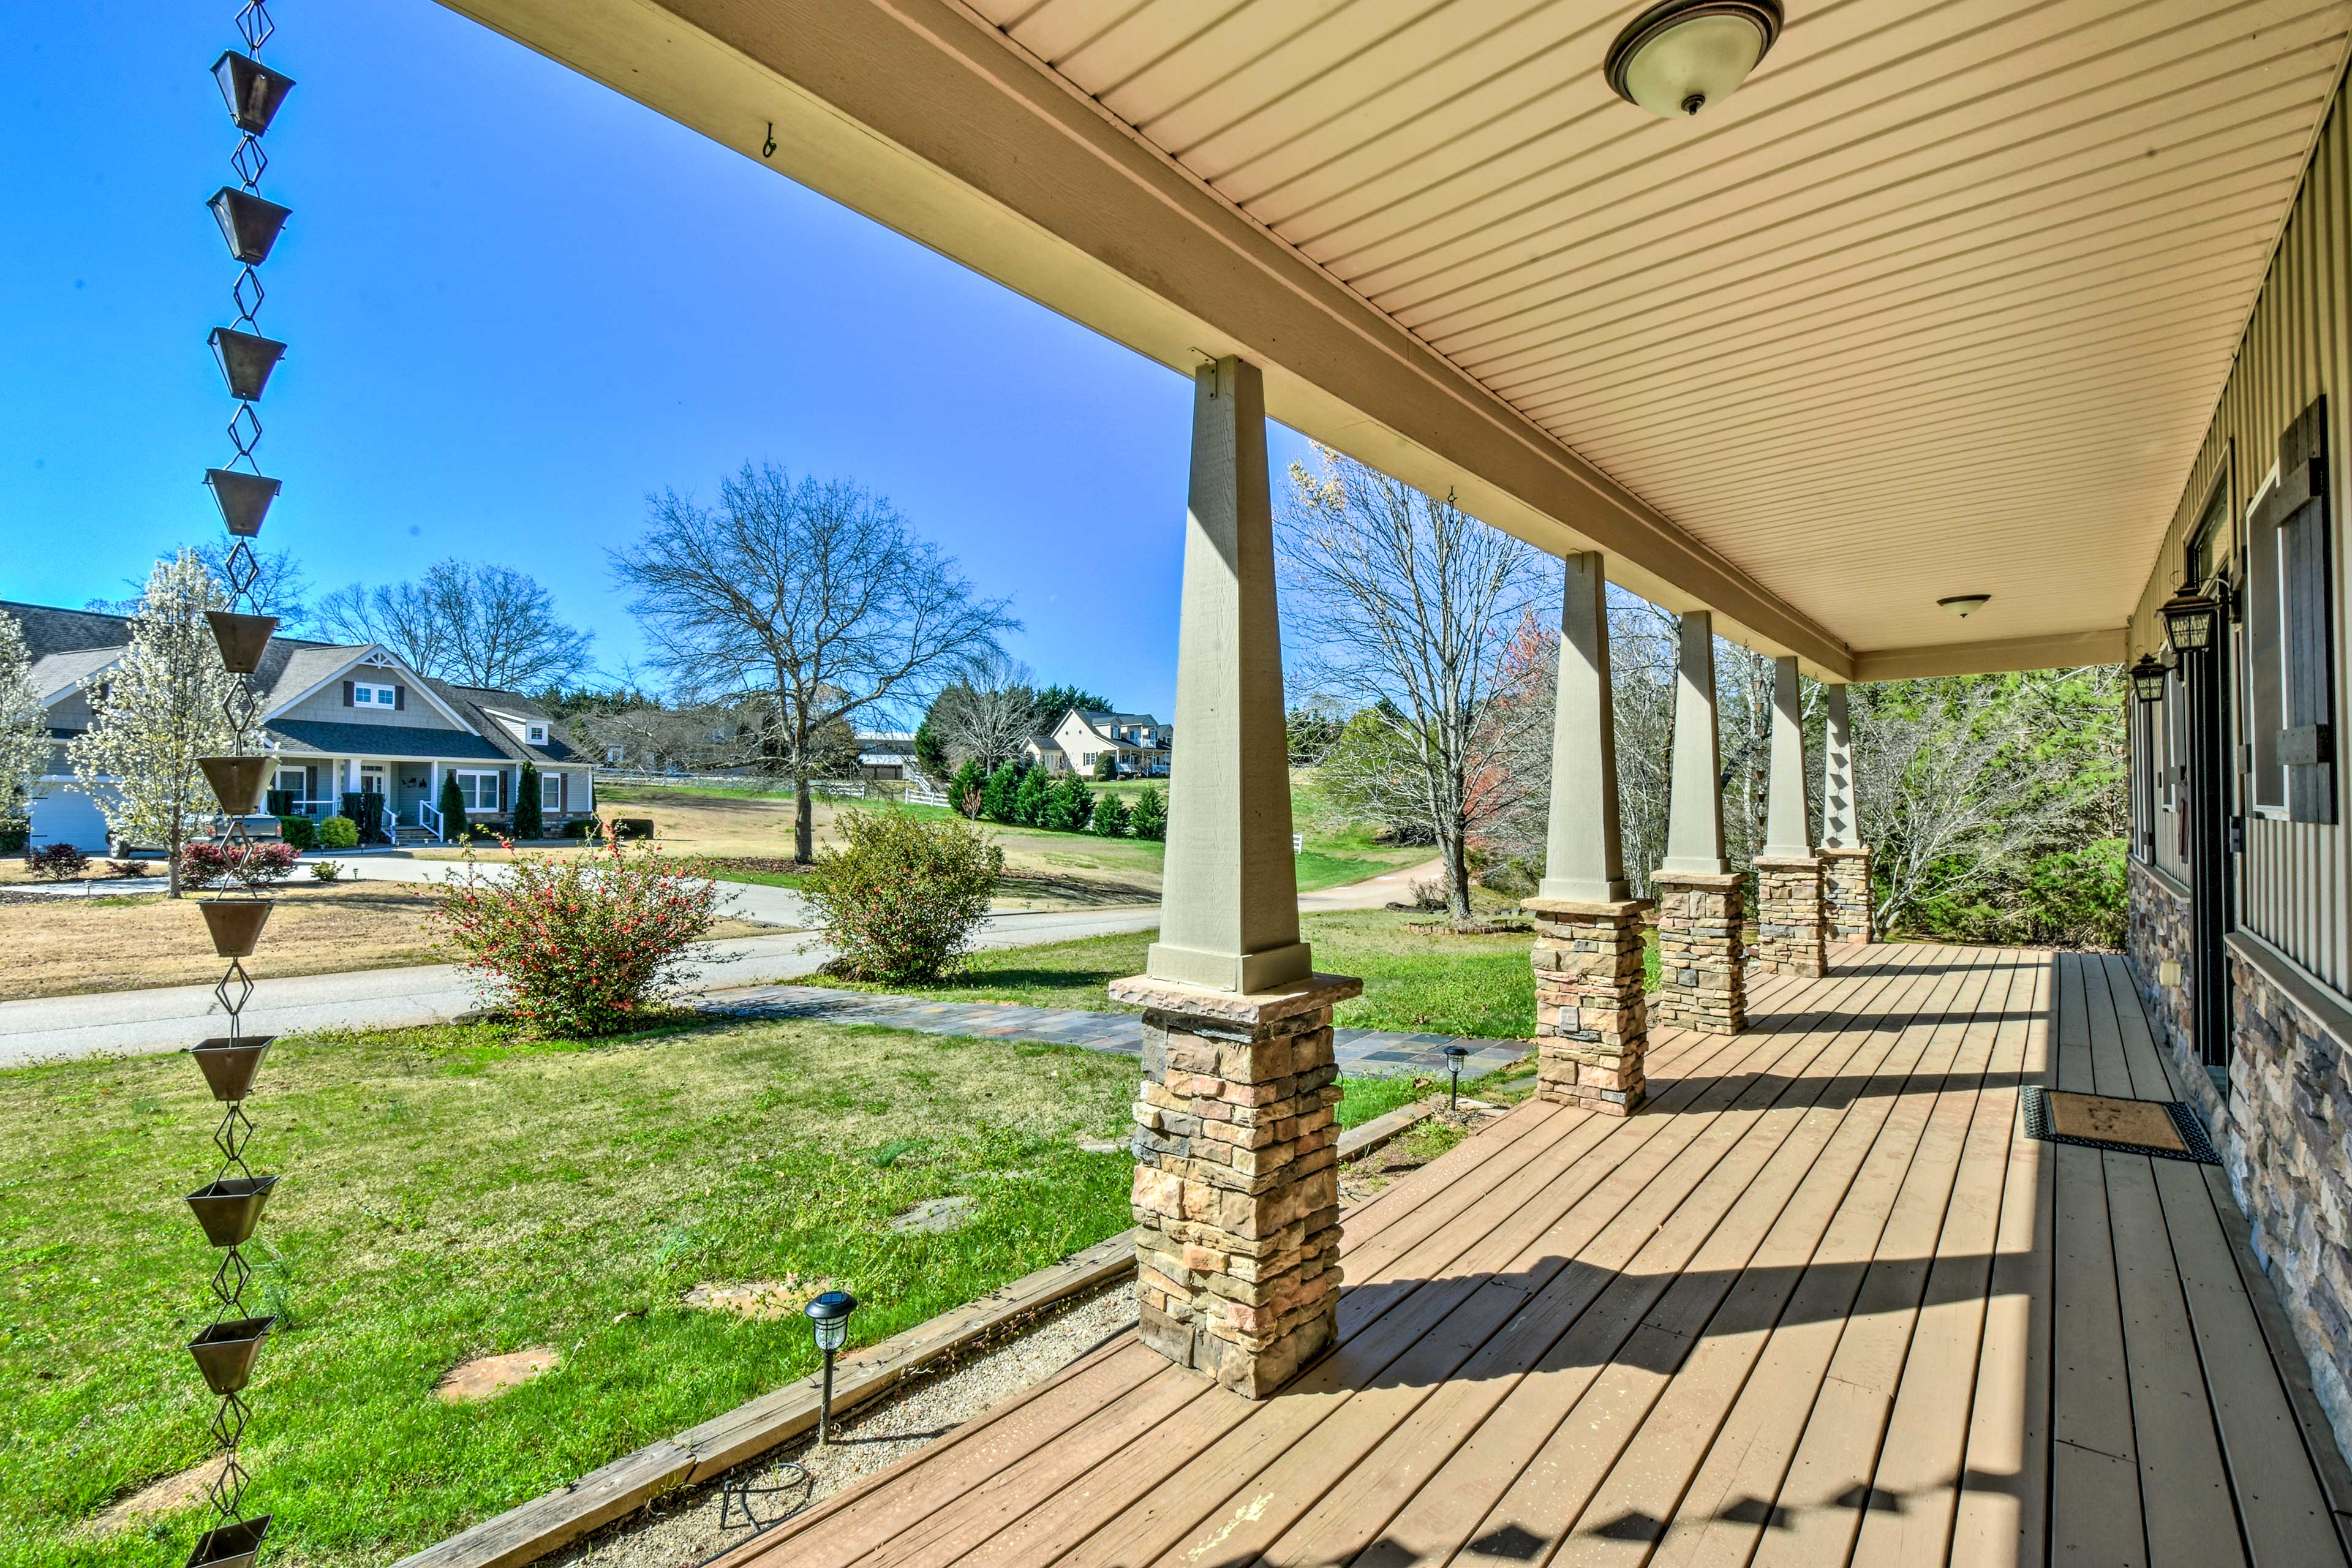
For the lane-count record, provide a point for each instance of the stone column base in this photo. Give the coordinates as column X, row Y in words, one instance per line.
column 1846, row 893
column 1791, row 932
column 1592, row 1023
column 1701, row 953
column 1237, row 1195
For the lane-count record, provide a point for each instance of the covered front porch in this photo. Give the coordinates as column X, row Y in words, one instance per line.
column 1821, row 1299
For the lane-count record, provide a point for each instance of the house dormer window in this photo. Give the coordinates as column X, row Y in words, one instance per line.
column 536, row 734
column 369, row 694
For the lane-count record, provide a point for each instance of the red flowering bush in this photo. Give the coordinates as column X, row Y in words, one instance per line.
column 209, row 863
column 584, row 946
column 903, row 896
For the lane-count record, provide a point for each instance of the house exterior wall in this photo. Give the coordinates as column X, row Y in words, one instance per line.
column 327, row 703
column 2281, row 1119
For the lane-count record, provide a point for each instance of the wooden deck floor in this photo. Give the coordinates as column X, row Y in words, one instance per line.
column 1821, row 1302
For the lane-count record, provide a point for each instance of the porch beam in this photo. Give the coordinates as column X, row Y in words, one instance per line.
column 1998, row 657
column 926, row 119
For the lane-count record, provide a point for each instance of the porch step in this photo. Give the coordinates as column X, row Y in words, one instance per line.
column 405, row 834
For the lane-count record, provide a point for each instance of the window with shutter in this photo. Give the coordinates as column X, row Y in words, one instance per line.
column 2291, row 631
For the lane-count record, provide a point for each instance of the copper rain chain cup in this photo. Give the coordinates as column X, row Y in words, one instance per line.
column 229, row 1207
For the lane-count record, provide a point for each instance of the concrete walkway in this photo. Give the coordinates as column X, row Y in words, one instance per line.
column 1370, row 1052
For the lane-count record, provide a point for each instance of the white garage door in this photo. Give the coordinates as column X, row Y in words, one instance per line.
column 65, row 816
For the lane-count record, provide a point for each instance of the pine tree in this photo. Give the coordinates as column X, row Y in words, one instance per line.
column 1029, row 804
column 528, row 822
column 24, row 733
column 965, row 790
column 1151, row 817
column 1070, row 804
column 1106, row 765
column 1111, row 817
column 158, row 709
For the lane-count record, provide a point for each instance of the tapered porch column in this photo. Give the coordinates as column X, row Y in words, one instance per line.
column 1700, row 944
column 1591, row 1021
column 1789, row 934
column 1236, row 1194
column 1845, row 859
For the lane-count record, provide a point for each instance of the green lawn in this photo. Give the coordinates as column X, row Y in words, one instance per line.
column 1417, row 981
column 450, row 1193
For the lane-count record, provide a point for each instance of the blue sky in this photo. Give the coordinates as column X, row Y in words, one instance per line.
column 516, row 302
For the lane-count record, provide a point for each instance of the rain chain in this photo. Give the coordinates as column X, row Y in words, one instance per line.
column 229, row 1207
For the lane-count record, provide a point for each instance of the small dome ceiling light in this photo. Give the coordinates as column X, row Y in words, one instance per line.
column 1675, row 58
column 1965, row 604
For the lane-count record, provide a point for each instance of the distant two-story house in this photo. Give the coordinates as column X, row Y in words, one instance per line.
column 1138, row 742
column 340, row 720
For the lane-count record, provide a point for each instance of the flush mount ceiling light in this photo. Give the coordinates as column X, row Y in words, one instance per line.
column 1675, row 58
column 1965, row 604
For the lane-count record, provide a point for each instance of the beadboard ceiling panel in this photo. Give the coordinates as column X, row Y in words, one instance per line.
column 1939, row 302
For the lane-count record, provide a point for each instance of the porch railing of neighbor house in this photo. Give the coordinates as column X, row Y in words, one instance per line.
column 429, row 818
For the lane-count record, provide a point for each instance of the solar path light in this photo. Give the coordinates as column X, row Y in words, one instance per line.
column 828, row 1317
column 1454, row 1055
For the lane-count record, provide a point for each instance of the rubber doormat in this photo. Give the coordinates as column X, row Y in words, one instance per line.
column 2163, row 1128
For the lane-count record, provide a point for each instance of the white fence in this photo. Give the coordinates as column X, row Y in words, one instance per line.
column 917, row 791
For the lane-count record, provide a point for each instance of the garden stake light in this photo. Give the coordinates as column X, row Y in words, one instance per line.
column 229, row 1208
column 1454, row 1055
column 828, row 1316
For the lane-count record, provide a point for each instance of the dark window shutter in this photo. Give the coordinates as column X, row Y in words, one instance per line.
column 347, row 694
column 564, row 792
column 502, row 789
column 400, row 699
column 310, row 783
column 2264, row 695
column 2306, row 740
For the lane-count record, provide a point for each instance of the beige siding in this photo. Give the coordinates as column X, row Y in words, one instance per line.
column 327, row 703
column 2298, row 346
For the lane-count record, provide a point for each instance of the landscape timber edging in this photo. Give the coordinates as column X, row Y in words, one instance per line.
column 530, row 1531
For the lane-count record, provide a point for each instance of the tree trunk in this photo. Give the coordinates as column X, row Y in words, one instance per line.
column 171, row 861
column 1455, row 847
column 803, row 821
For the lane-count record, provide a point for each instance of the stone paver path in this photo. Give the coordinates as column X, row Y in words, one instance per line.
column 1376, row 1052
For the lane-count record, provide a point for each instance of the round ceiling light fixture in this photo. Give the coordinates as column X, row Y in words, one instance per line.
column 1964, row 605
column 1675, row 58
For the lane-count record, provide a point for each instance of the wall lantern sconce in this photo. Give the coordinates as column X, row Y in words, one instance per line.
column 2189, row 620
column 828, row 1317
column 1963, row 606
column 1454, row 1055
column 2147, row 679
column 1675, row 58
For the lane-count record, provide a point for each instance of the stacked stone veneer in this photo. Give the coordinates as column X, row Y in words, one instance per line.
column 1236, row 1194
column 1846, row 893
column 1592, row 1022
column 1701, row 953
column 2282, row 1132
column 1792, row 934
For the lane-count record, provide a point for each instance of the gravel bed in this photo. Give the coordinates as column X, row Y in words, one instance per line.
column 681, row 1528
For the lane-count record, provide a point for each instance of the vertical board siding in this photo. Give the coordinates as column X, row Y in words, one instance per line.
column 2297, row 345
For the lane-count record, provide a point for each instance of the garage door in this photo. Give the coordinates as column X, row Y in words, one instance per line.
column 65, row 816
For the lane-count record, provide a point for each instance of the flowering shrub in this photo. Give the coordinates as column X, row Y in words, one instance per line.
column 208, row 863
column 900, row 898
column 582, row 946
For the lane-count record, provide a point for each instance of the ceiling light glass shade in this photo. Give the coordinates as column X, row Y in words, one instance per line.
column 1678, row 58
column 2189, row 620
column 1965, row 604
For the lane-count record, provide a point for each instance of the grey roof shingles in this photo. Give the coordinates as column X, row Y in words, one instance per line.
column 328, row 737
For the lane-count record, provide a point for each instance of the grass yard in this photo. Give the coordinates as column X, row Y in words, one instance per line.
column 1416, row 981
column 73, row 943
column 450, row 1193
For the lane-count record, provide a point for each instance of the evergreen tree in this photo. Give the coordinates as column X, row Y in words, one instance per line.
column 996, row 797
column 528, row 822
column 1106, row 765
column 1069, row 805
column 1029, row 803
column 966, row 789
column 930, row 751
column 1151, row 817
column 453, row 810
column 1111, row 817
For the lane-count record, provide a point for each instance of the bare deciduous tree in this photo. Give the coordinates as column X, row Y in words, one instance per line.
column 1405, row 607
column 281, row 587
column 476, row 624
column 990, row 710
column 813, row 601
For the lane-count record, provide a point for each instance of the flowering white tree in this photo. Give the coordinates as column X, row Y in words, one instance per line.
column 24, row 734
column 156, row 712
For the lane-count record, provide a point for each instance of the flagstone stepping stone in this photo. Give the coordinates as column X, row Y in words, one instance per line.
column 757, row 1298
column 168, row 1495
column 1102, row 1146
column 488, row 1376
column 934, row 1215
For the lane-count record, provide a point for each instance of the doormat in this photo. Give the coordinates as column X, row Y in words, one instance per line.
column 2165, row 1129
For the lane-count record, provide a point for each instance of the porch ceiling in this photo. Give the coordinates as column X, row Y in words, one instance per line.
column 1941, row 302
